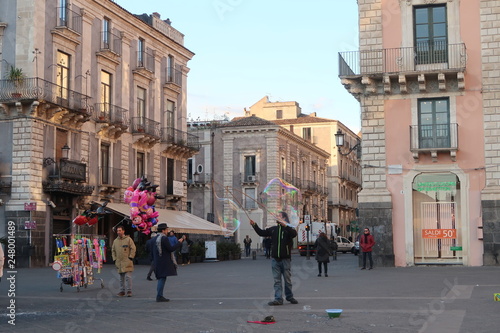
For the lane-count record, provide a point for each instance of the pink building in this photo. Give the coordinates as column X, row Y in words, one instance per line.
column 426, row 75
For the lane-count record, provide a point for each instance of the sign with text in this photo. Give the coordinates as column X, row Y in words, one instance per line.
column 439, row 233
column 29, row 225
column 30, row 206
column 178, row 188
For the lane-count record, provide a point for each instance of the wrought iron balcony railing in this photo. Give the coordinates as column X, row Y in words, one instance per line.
column 423, row 57
column 434, row 137
column 145, row 60
column 180, row 138
column 69, row 19
column 110, row 176
column 174, row 75
column 109, row 113
column 111, row 42
column 38, row 89
column 142, row 125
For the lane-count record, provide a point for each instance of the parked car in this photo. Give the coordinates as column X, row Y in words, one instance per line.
column 345, row 245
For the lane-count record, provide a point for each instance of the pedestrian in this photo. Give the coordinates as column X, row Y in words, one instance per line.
column 185, row 247
column 162, row 255
column 282, row 236
column 267, row 247
column 123, row 253
column 323, row 250
column 150, row 256
column 173, row 241
column 366, row 243
column 247, row 241
column 2, row 259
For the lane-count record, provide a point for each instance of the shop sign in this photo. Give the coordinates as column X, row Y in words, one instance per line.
column 436, row 186
column 439, row 233
column 73, row 170
column 455, row 248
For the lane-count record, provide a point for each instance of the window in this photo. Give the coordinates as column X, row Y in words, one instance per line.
column 63, row 72
column 250, row 168
column 189, row 207
column 306, row 133
column 190, row 171
column 250, row 198
column 170, row 68
column 170, row 175
column 169, row 119
column 141, row 49
column 105, row 92
column 279, row 114
column 140, row 165
column 434, row 123
column 431, row 34
column 106, row 33
column 141, row 104
column 63, row 13
column 283, row 168
column 105, row 170
column 293, row 171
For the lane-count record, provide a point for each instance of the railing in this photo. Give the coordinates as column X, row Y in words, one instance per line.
column 423, row 57
column 111, row 42
column 200, row 178
column 146, row 60
column 67, row 18
column 174, row 75
column 142, row 125
column 109, row 113
column 36, row 88
column 434, row 137
column 248, row 178
column 172, row 135
column 110, row 176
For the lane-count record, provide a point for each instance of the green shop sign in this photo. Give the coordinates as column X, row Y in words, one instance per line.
column 455, row 248
column 435, row 186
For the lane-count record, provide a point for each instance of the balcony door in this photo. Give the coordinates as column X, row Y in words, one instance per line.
column 434, row 123
column 431, row 35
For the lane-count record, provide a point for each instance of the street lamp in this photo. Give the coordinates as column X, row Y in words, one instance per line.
column 65, row 151
column 340, row 139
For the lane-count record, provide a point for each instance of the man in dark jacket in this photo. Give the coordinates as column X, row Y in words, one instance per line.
column 282, row 236
column 162, row 258
column 366, row 243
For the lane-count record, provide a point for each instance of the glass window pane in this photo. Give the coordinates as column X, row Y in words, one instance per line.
column 421, row 15
column 422, row 31
column 439, row 30
column 439, row 14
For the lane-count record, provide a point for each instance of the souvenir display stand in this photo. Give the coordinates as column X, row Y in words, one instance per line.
column 77, row 257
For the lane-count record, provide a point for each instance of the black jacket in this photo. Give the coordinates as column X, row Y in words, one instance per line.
column 282, row 240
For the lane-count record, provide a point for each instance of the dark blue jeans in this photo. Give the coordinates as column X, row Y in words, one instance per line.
column 282, row 268
column 369, row 255
column 160, row 286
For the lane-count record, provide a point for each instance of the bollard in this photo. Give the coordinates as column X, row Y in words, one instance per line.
column 334, row 255
column 254, row 255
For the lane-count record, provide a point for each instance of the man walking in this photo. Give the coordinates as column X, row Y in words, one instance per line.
column 282, row 236
column 123, row 253
column 162, row 257
column 247, row 241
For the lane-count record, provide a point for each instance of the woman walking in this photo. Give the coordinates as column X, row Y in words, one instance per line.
column 323, row 250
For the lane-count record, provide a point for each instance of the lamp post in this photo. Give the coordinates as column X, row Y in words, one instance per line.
column 340, row 140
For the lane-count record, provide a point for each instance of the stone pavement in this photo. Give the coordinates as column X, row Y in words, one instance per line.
column 220, row 297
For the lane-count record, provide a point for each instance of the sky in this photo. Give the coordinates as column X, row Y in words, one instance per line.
column 247, row 49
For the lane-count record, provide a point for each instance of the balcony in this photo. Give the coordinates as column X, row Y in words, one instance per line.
column 178, row 142
column 173, row 77
column 434, row 138
column 111, row 47
column 146, row 131
column 250, row 179
column 199, row 179
column 46, row 99
column 67, row 177
column 110, row 179
column 425, row 68
column 68, row 25
column 113, row 119
column 145, row 65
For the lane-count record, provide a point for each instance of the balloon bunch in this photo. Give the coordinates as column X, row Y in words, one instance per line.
column 91, row 217
column 141, row 197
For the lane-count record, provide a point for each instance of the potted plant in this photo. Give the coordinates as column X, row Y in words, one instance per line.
column 16, row 76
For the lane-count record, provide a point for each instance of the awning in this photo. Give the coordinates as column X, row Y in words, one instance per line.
column 178, row 221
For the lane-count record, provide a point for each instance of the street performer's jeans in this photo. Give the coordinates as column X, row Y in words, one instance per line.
column 369, row 255
column 282, row 267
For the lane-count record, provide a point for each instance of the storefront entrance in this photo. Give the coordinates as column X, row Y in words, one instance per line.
column 436, row 219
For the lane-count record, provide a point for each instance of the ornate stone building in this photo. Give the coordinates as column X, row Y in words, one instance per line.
column 101, row 101
column 425, row 76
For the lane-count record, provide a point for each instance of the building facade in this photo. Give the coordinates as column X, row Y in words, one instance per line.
column 424, row 76
column 101, row 101
column 239, row 158
column 343, row 175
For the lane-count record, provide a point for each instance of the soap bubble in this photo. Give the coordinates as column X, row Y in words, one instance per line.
column 227, row 214
column 281, row 196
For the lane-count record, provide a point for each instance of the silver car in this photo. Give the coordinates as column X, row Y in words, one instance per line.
column 345, row 245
